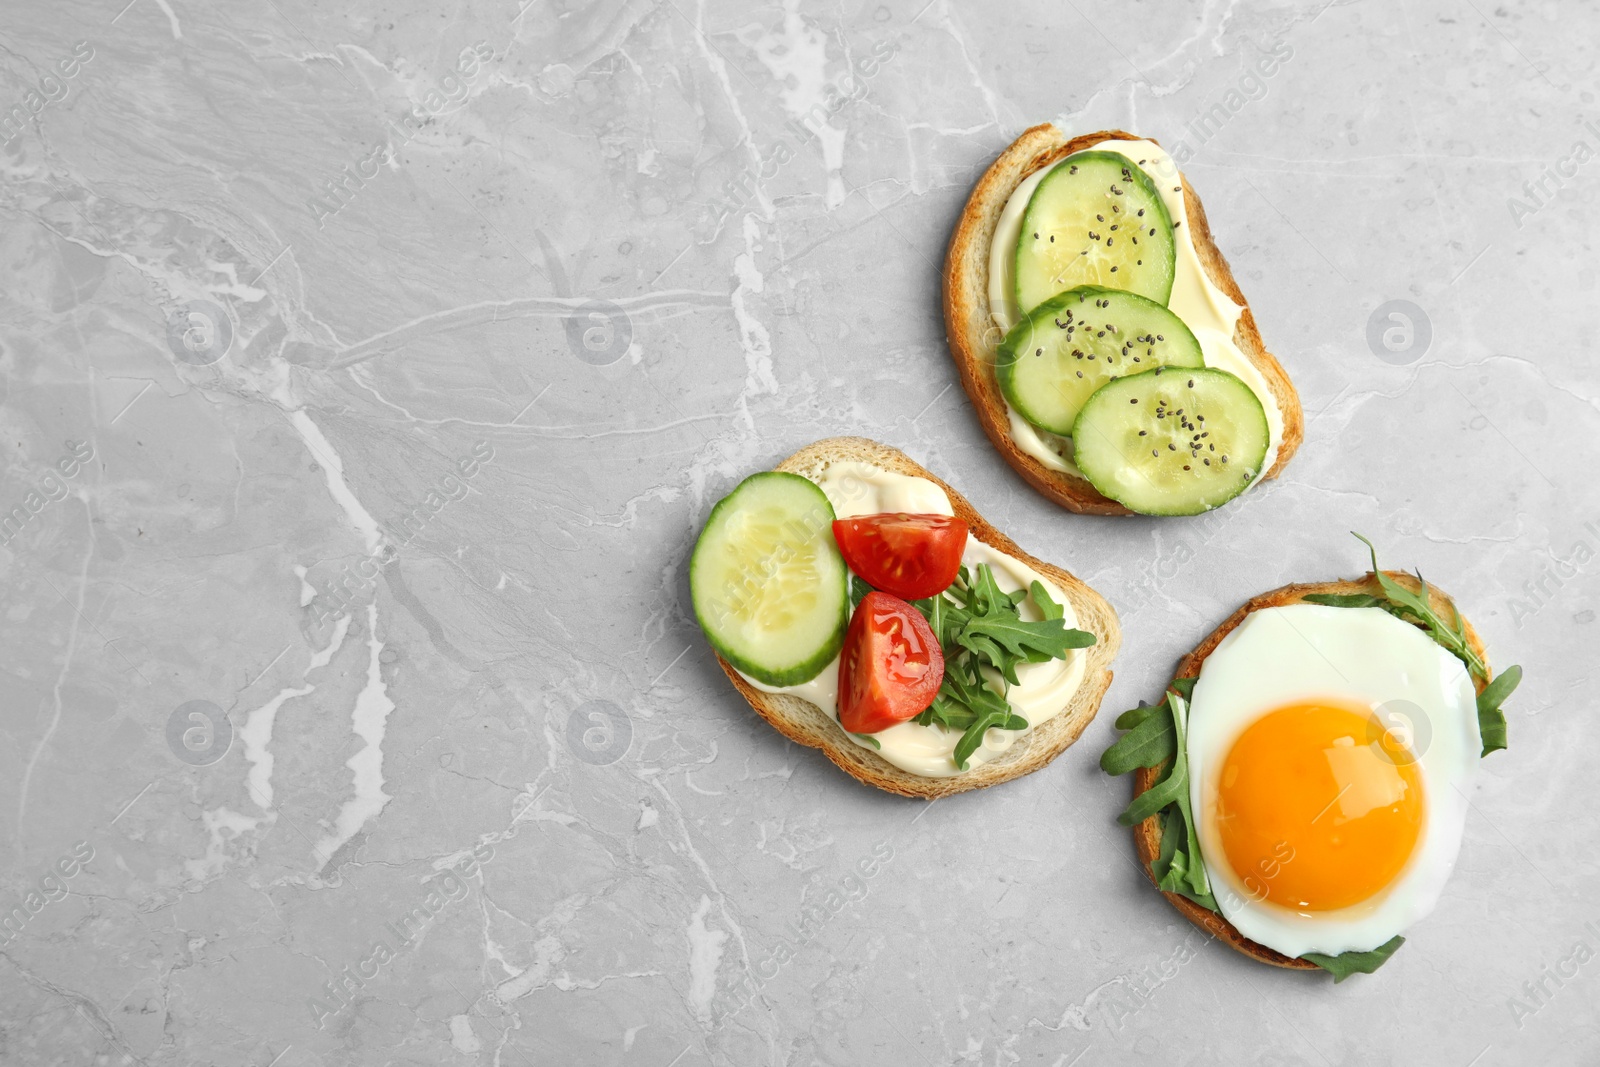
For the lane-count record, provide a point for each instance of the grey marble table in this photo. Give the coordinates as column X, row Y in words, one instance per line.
column 367, row 373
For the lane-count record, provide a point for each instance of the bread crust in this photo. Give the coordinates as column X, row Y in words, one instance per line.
column 973, row 335
column 804, row 723
column 1147, row 834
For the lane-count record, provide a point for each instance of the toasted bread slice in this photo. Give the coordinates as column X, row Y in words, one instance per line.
column 1147, row 835
column 804, row 723
column 973, row 335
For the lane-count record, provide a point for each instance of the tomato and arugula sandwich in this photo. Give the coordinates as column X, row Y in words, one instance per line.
column 1106, row 347
column 863, row 607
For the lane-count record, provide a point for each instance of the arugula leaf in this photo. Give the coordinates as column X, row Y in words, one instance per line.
column 1343, row 600
column 984, row 596
column 1174, row 786
column 973, row 693
column 1184, row 687
column 1187, row 860
column 973, row 738
column 1175, row 862
column 1452, row 638
column 1050, row 638
column 858, row 591
column 961, row 700
column 1155, row 736
column 1345, row 964
column 1168, row 858
column 964, row 701
column 869, row 739
column 1041, row 599
column 1417, row 607
column 947, row 713
column 944, row 617
column 1149, row 741
column 985, row 650
column 1491, row 720
column 1134, row 716
column 979, row 627
column 1495, row 693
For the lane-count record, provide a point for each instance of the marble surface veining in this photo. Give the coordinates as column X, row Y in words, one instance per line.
column 366, row 371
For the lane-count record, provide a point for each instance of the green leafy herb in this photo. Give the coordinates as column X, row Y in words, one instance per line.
column 1343, row 600
column 1173, row 865
column 1171, row 787
column 983, row 595
column 1491, row 720
column 973, row 737
column 1025, row 642
column 1129, row 719
column 967, row 703
column 1156, row 736
column 869, row 739
column 1416, row 607
column 985, row 639
column 1041, row 599
column 1452, row 637
column 858, row 592
column 971, row 695
column 1149, row 740
column 1345, row 964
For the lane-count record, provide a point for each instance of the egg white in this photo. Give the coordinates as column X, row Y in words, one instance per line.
column 1284, row 655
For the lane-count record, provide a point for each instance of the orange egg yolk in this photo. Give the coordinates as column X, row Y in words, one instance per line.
column 1316, row 808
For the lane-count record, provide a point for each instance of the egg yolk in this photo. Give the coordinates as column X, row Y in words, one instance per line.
column 1314, row 812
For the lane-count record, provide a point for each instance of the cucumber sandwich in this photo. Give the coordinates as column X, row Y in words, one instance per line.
column 1103, row 340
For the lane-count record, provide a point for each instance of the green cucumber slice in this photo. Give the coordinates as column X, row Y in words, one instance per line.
column 768, row 582
column 1052, row 361
column 1095, row 219
column 1175, row 441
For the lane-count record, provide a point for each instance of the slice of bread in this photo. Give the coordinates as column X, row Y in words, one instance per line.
column 804, row 723
column 1147, row 835
column 973, row 335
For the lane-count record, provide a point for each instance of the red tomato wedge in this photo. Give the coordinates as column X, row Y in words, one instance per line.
column 911, row 556
column 891, row 665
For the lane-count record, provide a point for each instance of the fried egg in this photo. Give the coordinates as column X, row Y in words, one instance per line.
column 1331, row 751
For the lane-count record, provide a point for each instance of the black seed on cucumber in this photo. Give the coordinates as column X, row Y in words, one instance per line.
column 1071, row 246
column 1050, row 386
column 1107, row 443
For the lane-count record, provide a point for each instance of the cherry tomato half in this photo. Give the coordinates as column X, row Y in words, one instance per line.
column 891, row 665
column 911, row 556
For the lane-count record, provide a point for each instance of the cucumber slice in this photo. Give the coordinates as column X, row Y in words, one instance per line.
column 768, row 582
column 1095, row 219
column 1175, row 441
column 1072, row 344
